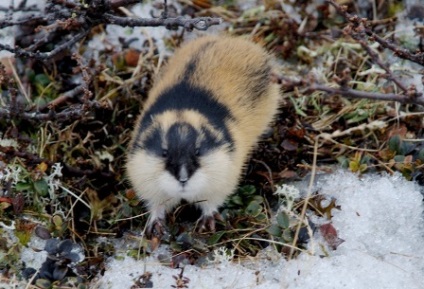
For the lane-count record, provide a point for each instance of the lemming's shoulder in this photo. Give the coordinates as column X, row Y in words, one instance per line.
column 221, row 51
column 221, row 64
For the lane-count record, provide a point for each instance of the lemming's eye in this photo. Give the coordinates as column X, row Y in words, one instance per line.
column 197, row 152
column 164, row 153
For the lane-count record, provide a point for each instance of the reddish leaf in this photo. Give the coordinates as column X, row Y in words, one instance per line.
column 330, row 235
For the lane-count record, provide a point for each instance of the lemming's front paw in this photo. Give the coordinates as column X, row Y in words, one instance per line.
column 156, row 228
column 207, row 223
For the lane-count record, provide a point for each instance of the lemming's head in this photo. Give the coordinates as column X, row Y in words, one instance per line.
column 177, row 152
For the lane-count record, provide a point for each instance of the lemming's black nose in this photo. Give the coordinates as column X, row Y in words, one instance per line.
column 183, row 175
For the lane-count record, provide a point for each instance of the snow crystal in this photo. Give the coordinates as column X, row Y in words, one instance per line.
column 381, row 221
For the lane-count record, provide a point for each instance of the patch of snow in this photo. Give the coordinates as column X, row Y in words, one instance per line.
column 136, row 36
column 7, row 35
column 123, row 274
column 6, row 142
column 408, row 72
column 381, row 221
column 34, row 254
column 245, row 5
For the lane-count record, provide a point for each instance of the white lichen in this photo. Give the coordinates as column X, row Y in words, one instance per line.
column 11, row 173
column 222, row 255
column 53, row 181
column 289, row 193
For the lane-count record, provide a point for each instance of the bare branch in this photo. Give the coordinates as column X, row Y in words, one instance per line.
column 70, row 171
column 71, row 22
column 376, row 59
column 310, row 85
column 35, row 18
column 72, row 113
column 70, row 94
column 202, row 23
column 353, row 93
column 45, row 55
column 399, row 51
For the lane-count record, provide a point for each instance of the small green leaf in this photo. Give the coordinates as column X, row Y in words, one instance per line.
column 359, row 115
column 405, row 148
column 287, row 235
column 21, row 186
column 57, row 220
column 258, row 199
column 274, row 230
column 43, row 283
column 253, row 209
column 215, row 238
column 42, row 79
column 354, row 166
column 248, row 190
column 283, row 220
column 237, row 200
column 399, row 158
column 41, row 187
column 363, row 168
column 421, row 155
column 175, row 247
column 261, row 217
column 40, row 101
column 23, row 237
column 343, row 161
column 394, row 143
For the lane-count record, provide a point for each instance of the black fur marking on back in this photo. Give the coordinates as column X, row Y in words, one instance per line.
column 183, row 96
column 192, row 64
column 260, row 80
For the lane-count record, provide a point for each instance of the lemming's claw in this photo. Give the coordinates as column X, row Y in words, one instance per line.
column 156, row 229
column 207, row 222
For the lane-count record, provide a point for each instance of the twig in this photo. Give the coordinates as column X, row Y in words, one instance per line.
column 303, row 218
column 63, row 98
column 201, row 23
column 76, row 196
column 356, row 29
column 45, row 55
column 376, row 59
column 353, row 93
column 310, row 86
column 87, row 79
column 72, row 113
column 165, row 9
column 399, row 51
column 12, row 152
column 25, row 21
